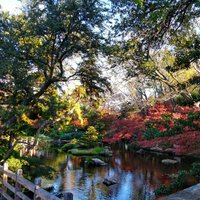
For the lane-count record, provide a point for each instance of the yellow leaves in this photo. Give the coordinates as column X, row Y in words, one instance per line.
column 74, row 141
column 68, row 120
column 94, row 137
column 168, row 58
column 59, row 113
column 79, row 112
column 29, row 121
column 91, row 134
column 35, row 41
column 42, row 106
column 185, row 75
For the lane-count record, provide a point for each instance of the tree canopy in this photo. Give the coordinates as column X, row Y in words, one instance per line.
column 36, row 48
column 158, row 39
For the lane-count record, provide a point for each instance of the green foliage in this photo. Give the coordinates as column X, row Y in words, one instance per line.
column 36, row 168
column 72, row 145
column 15, row 163
column 195, row 171
column 195, row 115
column 179, row 125
column 100, row 126
column 182, row 101
column 2, row 148
column 150, row 124
column 65, row 135
column 162, row 190
column 151, row 133
column 35, row 47
column 167, row 117
column 170, row 65
column 90, row 138
column 69, row 146
column 178, row 182
column 196, row 94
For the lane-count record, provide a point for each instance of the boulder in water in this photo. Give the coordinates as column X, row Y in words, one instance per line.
column 140, row 151
column 169, row 161
column 109, row 181
column 97, row 162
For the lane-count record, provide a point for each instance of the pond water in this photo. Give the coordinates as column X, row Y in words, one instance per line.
column 137, row 175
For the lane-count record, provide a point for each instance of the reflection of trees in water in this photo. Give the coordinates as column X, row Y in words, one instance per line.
column 68, row 172
column 54, row 160
column 138, row 176
column 148, row 172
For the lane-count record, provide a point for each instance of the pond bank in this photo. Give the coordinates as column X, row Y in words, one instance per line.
column 191, row 193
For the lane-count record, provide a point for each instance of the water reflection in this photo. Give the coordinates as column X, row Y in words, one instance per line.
column 137, row 176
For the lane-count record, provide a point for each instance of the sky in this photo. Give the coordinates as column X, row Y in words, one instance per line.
column 10, row 5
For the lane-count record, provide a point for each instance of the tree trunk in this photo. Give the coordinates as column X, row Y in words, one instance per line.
column 11, row 140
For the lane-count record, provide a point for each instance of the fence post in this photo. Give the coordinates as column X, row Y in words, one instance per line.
column 17, row 185
column 5, row 177
column 38, row 183
column 21, row 153
column 5, row 180
column 68, row 196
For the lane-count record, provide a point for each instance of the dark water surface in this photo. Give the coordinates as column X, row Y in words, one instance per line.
column 137, row 175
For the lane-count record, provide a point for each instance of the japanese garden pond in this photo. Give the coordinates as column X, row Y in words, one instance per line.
column 137, row 175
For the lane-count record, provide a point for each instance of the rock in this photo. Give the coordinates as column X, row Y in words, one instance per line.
column 178, row 159
column 109, row 181
column 169, row 150
column 191, row 193
column 169, row 161
column 107, row 152
column 97, row 162
column 45, row 183
column 156, row 149
column 48, row 187
column 107, row 148
column 140, row 151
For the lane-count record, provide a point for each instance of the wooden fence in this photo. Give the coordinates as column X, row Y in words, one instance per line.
column 18, row 187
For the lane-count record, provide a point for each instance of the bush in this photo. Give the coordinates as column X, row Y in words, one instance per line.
column 69, row 146
column 196, row 95
column 162, row 190
column 179, row 125
column 181, row 101
column 14, row 163
column 178, row 182
column 167, row 117
column 194, row 115
column 90, row 138
column 151, row 133
column 72, row 145
column 195, row 171
column 66, row 135
column 100, row 126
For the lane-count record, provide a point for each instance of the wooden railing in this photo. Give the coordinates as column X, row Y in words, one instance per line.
column 18, row 187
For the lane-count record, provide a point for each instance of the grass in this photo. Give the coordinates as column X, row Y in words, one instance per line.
column 93, row 151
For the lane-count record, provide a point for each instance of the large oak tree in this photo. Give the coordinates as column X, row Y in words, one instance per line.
column 37, row 47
